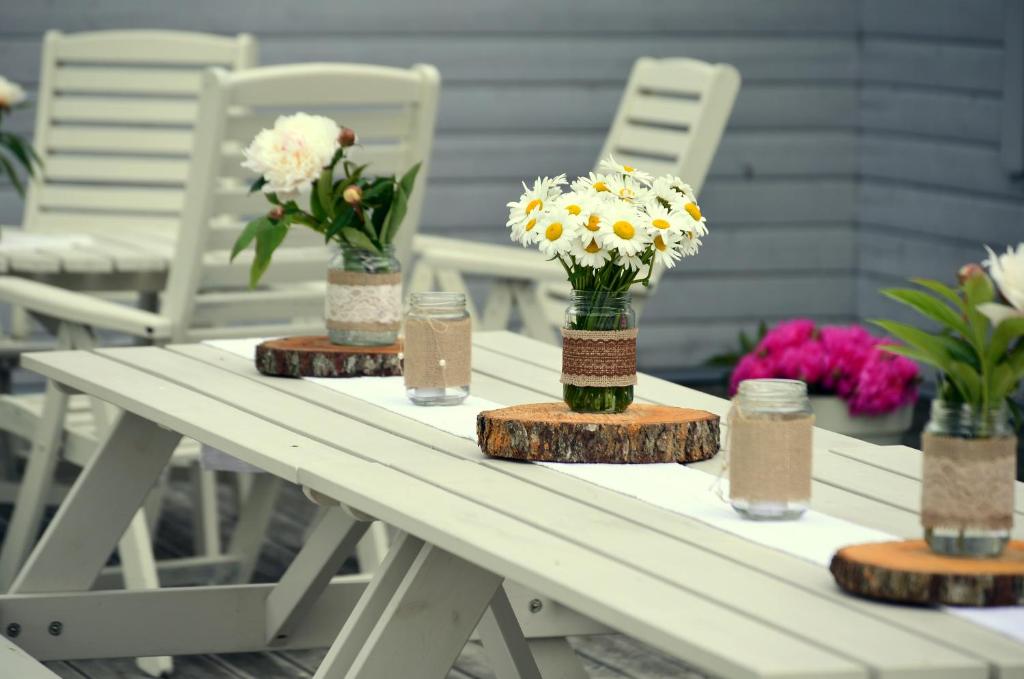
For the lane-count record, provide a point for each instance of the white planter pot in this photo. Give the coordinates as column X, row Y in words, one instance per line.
column 830, row 412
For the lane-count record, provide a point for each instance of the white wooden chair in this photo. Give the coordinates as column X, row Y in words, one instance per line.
column 394, row 111
column 670, row 120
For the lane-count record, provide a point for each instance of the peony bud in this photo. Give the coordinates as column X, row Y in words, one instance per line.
column 969, row 271
column 276, row 212
column 347, row 136
column 353, row 195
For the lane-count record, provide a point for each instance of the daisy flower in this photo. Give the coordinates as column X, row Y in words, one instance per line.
column 556, row 231
column 693, row 220
column 533, row 201
column 666, row 245
column 593, row 185
column 592, row 215
column 591, row 254
column 573, row 202
column 626, row 189
column 611, row 165
column 631, row 262
column 623, row 230
column 665, row 195
column 662, row 220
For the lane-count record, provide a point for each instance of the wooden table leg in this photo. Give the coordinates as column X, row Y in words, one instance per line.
column 507, row 649
column 99, row 507
column 426, row 623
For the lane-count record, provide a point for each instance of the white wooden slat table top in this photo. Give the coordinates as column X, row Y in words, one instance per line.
column 781, row 600
column 98, row 254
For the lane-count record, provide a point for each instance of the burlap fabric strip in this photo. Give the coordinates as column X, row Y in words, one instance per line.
column 363, row 301
column 769, row 456
column 599, row 358
column 437, row 353
column 968, row 483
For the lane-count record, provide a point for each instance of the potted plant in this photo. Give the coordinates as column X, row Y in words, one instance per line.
column 361, row 214
column 970, row 446
column 608, row 232
column 14, row 150
column 856, row 387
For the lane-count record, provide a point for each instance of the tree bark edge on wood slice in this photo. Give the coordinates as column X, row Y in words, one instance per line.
column 550, row 432
column 909, row 572
column 316, row 356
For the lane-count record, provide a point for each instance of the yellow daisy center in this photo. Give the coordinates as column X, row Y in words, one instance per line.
column 534, row 204
column 593, row 223
column 624, row 230
column 530, row 224
column 626, row 192
column 554, row 231
column 660, row 224
column 573, row 209
column 659, row 243
column 629, row 168
column 693, row 210
column 600, row 186
column 593, row 247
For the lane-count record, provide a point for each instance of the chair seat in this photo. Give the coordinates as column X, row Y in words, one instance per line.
column 21, row 415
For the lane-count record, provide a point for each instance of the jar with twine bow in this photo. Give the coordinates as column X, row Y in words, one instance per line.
column 769, row 444
column 437, row 351
column 970, row 460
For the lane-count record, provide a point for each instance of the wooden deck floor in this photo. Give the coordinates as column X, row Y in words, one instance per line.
column 605, row 657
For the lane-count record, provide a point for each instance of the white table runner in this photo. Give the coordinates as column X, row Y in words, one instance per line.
column 814, row 537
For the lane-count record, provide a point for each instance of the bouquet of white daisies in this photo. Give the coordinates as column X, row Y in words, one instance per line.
column 610, row 228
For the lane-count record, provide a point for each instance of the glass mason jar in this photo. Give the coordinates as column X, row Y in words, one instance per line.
column 601, row 311
column 976, row 482
column 438, row 345
column 771, row 429
column 364, row 297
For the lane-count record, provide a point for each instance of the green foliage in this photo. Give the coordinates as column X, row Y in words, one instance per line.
column 16, row 151
column 371, row 223
column 979, row 365
column 729, row 359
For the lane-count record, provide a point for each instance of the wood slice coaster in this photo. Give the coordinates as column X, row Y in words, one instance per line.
column 909, row 572
column 550, row 432
column 315, row 356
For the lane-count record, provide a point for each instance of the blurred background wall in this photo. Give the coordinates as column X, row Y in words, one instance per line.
column 864, row 147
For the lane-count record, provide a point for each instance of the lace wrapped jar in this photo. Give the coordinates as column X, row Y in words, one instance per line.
column 364, row 297
column 970, row 463
column 771, row 430
column 599, row 352
column 438, row 346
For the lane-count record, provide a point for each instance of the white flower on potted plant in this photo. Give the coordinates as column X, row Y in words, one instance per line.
column 292, row 154
column 11, row 93
column 557, row 229
column 617, row 168
column 1008, row 273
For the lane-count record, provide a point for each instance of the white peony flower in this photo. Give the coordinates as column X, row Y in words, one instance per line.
column 292, row 154
column 1008, row 273
column 11, row 93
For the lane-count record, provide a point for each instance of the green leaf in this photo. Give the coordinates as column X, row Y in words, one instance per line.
column 930, row 307
column 409, row 179
column 1006, row 332
column 345, row 217
column 933, row 350
column 314, row 203
column 267, row 241
column 1002, row 382
column 358, row 239
column 967, row 380
column 12, row 174
column 251, row 230
column 258, row 184
column 1015, row 359
column 395, row 215
column 379, row 190
column 978, row 290
column 941, row 289
column 909, row 352
column 324, row 186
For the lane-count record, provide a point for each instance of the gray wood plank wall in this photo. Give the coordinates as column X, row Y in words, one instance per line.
column 842, row 149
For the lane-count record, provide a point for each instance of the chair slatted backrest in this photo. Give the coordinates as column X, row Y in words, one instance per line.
column 394, row 112
column 114, row 126
column 671, row 118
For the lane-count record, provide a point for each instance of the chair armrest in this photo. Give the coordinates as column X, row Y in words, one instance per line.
column 507, row 262
column 61, row 304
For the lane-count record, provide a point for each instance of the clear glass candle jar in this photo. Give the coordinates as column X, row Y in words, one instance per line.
column 592, row 385
column 437, row 348
column 970, row 460
column 364, row 297
column 770, row 448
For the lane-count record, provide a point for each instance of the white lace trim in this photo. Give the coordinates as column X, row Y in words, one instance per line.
column 364, row 303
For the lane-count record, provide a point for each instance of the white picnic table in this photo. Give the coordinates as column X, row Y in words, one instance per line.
column 519, row 555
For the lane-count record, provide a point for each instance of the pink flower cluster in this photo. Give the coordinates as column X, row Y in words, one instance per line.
column 841, row 360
